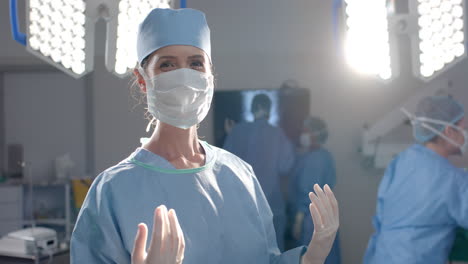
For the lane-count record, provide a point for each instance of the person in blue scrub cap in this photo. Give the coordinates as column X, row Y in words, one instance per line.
column 222, row 213
column 314, row 165
column 423, row 198
column 270, row 153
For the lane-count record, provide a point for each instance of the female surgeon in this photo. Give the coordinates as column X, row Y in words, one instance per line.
column 423, row 198
column 222, row 213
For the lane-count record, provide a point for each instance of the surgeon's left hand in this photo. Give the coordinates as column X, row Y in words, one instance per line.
column 325, row 215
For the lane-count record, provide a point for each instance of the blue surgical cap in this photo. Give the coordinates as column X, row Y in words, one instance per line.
column 318, row 127
column 164, row 27
column 443, row 108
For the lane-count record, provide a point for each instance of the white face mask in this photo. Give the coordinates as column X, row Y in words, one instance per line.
column 181, row 98
column 304, row 140
column 424, row 120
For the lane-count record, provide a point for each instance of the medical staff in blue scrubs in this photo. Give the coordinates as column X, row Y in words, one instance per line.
column 423, row 198
column 314, row 165
column 267, row 149
column 222, row 213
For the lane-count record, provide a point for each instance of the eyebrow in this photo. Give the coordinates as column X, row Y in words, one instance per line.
column 174, row 57
column 167, row 57
column 196, row 57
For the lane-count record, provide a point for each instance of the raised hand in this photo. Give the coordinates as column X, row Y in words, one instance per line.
column 167, row 242
column 325, row 215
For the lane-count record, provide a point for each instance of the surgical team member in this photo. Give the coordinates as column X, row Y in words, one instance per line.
column 314, row 165
column 423, row 198
column 222, row 214
column 270, row 153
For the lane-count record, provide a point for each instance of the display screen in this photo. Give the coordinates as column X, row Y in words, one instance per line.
column 289, row 107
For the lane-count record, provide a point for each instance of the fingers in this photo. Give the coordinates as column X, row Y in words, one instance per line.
column 167, row 254
column 166, row 230
column 178, row 236
column 316, row 217
column 157, row 235
column 167, row 243
column 333, row 201
column 173, row 233
column 324, row 206
column 139, row 247
column 319, row 206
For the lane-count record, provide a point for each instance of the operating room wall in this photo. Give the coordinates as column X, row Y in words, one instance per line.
column 44, row 112
column 259, row 44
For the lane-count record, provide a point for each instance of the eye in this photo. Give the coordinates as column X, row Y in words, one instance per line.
column 197, row 64
column 166, row 65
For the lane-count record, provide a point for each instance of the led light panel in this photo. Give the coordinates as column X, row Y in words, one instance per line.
column 57, row 33
column 367, row 44
column 440, row 40
column 131, row 14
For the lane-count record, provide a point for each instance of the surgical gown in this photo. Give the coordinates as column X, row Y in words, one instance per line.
column 421, row 200
column 221, row 209
column 313, row 167
column 270, row 153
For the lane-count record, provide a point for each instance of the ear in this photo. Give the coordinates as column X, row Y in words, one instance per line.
column 450, row 131
column 140, row 80
column 447, row 131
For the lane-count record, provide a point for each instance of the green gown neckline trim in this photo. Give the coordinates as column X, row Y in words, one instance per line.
column 207, row 165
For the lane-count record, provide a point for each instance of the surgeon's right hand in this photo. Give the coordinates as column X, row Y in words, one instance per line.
column 167, row 244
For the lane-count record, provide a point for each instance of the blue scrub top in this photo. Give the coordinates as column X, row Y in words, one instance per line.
column 421, row 200
column 270, row 153
column 221, row 209
column 312, row 167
